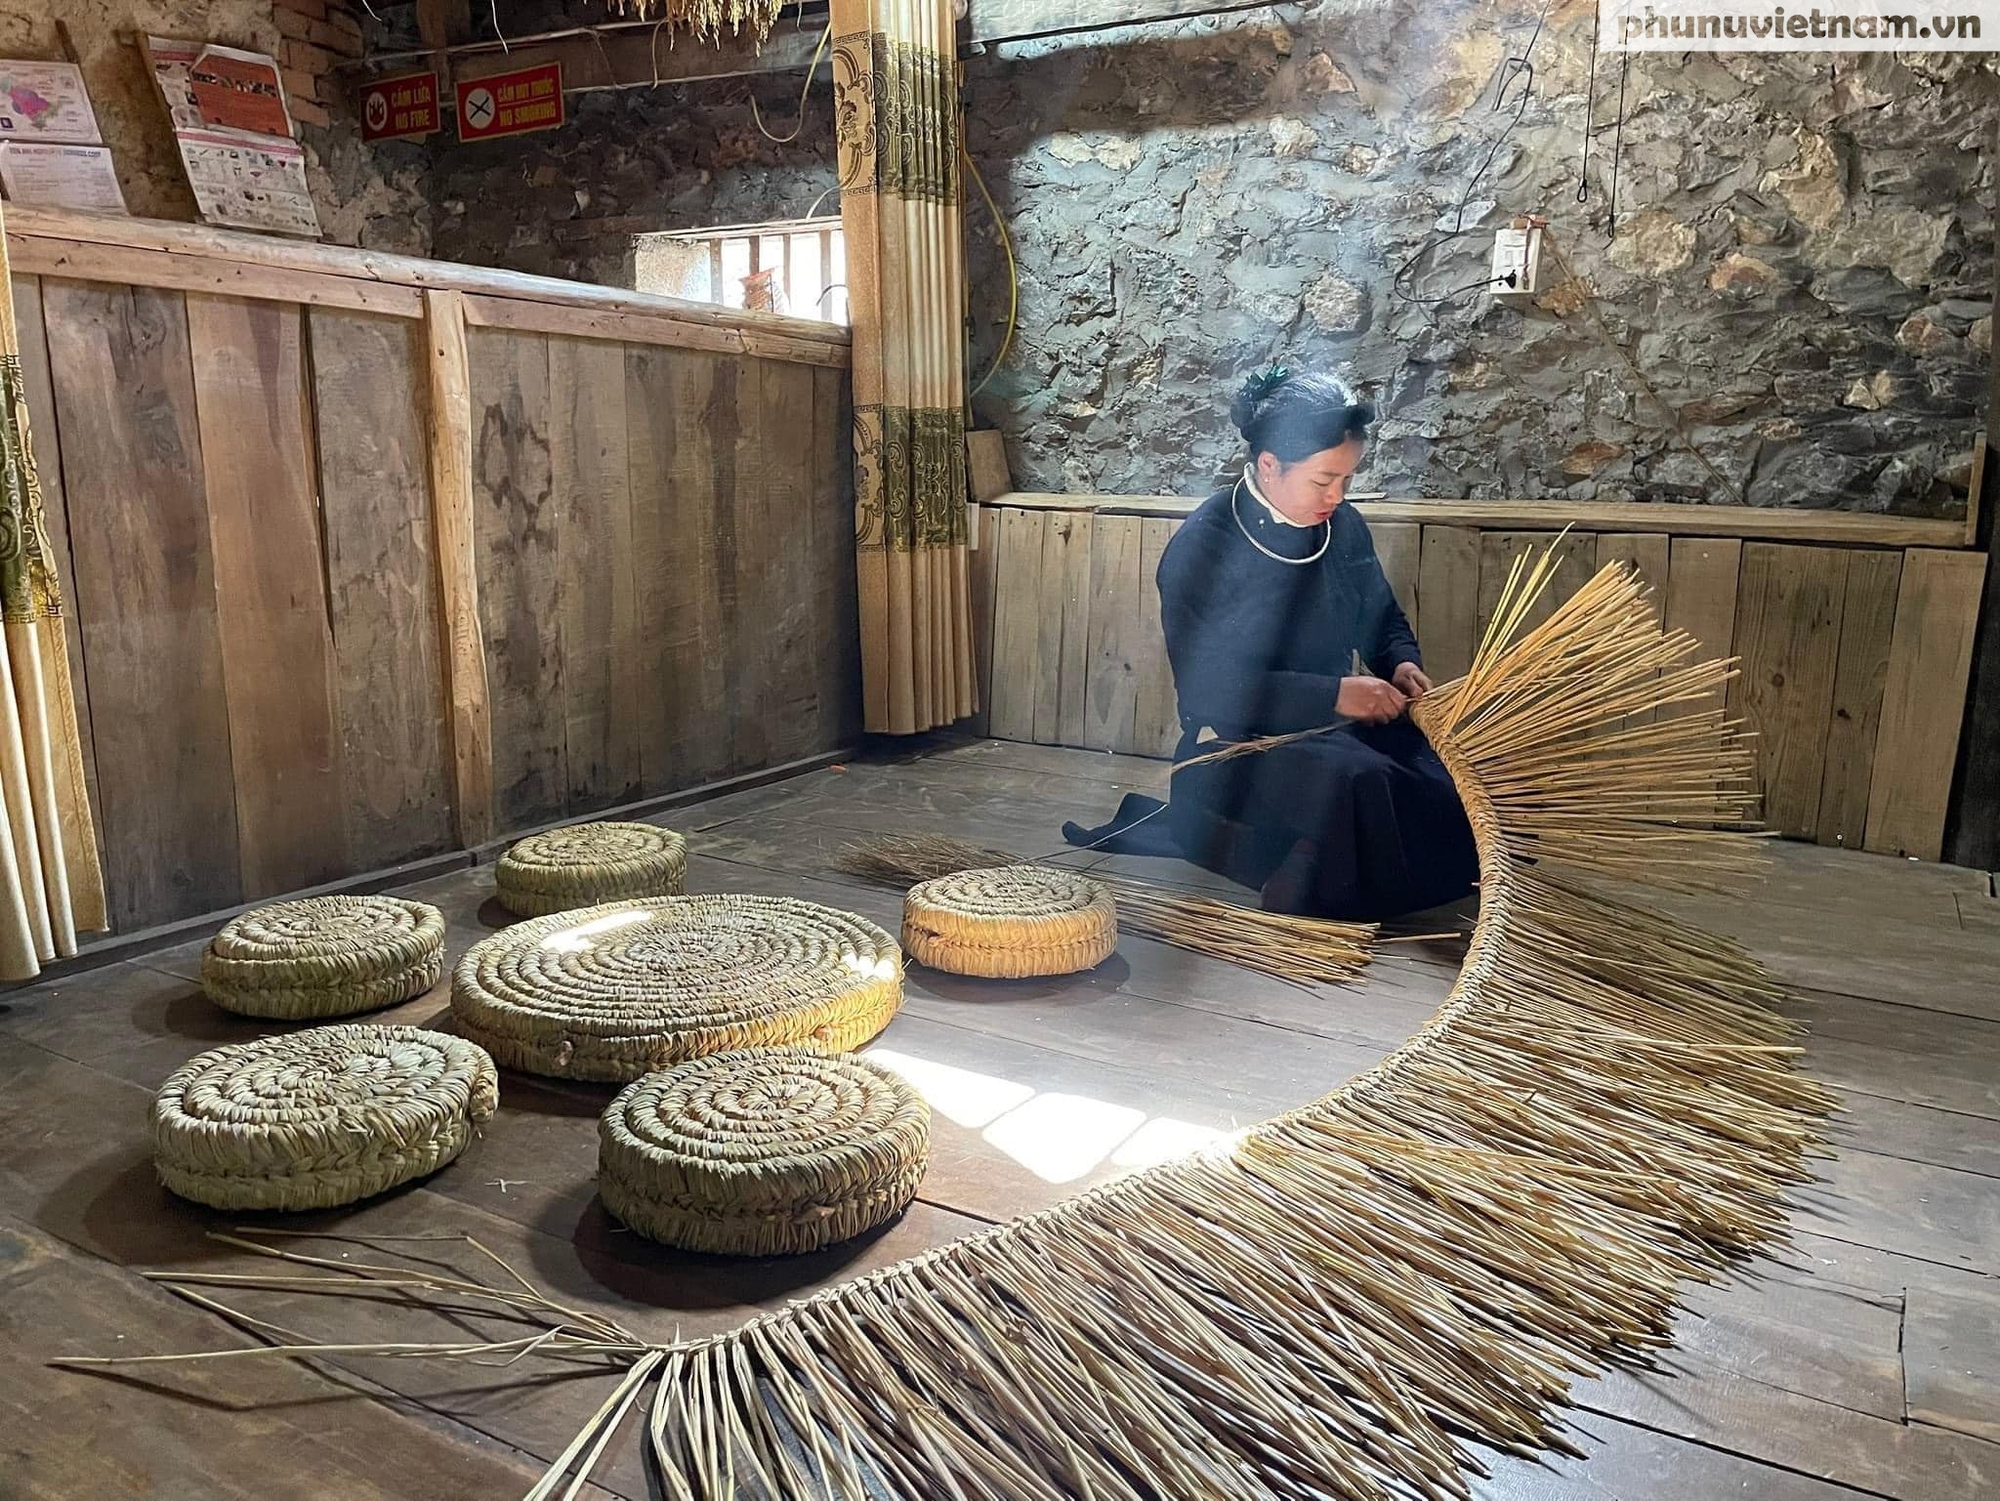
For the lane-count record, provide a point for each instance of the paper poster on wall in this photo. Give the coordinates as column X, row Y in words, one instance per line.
column 236, row 90
column 242, row 179
column 172, row 62
column 249, row 182
column 45, row 102
column 55, row 175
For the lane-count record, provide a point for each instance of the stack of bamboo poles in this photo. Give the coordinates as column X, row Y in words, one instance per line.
column 1346, row 1298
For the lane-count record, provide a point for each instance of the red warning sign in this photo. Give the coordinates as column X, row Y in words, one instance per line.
column 406, row 105
column 510, row 104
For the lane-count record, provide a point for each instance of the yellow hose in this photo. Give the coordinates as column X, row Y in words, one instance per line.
column 1013, row 270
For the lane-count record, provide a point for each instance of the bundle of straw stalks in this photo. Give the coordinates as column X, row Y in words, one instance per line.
column 706, row 20
column 1298, row 949
column 1343, row 1300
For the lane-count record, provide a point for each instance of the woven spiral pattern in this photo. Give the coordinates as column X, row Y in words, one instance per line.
column 1010, row 922
column 317, row 1118
column 764, row 1152
column 324, row 956
column 616, row 991
column 585, row 864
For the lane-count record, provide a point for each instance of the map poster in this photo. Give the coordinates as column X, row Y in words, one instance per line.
column 55, row 174
column 45, row 102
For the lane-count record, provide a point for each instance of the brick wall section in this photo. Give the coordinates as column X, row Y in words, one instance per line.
column 316, row 37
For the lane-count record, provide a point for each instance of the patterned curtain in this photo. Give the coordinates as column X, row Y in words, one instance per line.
column 896, row 120
column 50, row 883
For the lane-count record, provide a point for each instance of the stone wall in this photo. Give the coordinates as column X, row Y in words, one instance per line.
column 365, row 196
column 1802, row 265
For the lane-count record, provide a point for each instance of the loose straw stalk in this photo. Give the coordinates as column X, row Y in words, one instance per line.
column 1355, row 1297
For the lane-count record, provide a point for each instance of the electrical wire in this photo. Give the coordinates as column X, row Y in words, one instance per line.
column 805, row 90
column 1602, row 330
column 1589, row 107
column 1013, row 270
column 1519, row 67
column 1618, row 147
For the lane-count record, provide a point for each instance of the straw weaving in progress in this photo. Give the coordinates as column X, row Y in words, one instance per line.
column 584, row 864
column 318, row 1118
column 1340, row 1301
column 619, row 990
column 1010, row 922
column 763, row 1152
column 324, row 956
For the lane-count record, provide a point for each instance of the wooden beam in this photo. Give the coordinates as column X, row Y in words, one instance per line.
column 1847, row 528
column 91, row 247
column 1972, row 827
column 131, row 266
column 637, row 328
column 444, row 23
column 468, row 713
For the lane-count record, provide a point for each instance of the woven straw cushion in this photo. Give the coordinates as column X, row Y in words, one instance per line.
column 1010, row 922
column 324, row 956
column 319, row 1117
column 616, row 991
column 766, row 1151
column 588, row 863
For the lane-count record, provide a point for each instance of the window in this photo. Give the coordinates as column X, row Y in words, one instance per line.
column 798, row 266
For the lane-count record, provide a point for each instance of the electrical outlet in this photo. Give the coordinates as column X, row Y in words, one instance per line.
column 1517, row 260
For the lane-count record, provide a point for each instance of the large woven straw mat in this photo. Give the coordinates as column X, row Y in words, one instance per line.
column 319, row 1117
column 1010, row 922
column 324, row 956
column 762, row 1152
column 616, row 991
column 560, row 870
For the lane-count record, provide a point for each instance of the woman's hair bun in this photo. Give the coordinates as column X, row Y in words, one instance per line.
column 1295, row 414
column 1250, row 397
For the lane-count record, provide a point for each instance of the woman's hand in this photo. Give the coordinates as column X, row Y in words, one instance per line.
column 1370, row 700
column 1410, row 678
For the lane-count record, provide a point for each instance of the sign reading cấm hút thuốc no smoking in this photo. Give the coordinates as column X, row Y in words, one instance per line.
column 510, row 104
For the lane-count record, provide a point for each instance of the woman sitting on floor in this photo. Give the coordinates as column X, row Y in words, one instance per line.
column 1278, row 618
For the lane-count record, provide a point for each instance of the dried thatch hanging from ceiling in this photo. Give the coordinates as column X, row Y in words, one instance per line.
column 706, row 20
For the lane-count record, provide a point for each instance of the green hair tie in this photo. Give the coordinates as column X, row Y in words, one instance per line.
column 1265, row 382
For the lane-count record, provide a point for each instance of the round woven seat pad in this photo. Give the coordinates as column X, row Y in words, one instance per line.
column 618, row 990
column 1010, row 921
column 594, row 862
column 319, row 1117
column 766, row 1150
column 324, row 956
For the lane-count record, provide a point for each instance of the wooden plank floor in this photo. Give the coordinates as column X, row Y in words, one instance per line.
column 1862, row 1359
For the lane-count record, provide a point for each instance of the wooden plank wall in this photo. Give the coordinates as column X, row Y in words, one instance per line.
column 241, row 495
column 1853, row 671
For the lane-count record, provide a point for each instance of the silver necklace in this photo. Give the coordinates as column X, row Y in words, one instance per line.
column 1276, row 557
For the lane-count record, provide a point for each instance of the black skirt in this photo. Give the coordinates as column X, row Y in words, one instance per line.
column 1363, row 822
